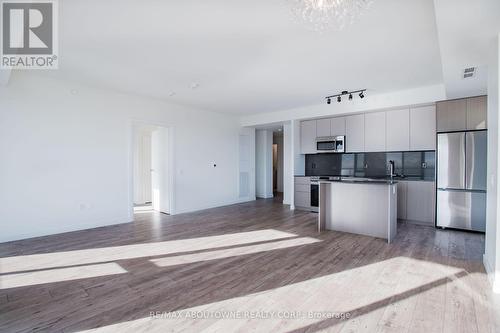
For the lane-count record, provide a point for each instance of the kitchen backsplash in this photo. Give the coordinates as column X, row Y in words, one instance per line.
column 419, row 164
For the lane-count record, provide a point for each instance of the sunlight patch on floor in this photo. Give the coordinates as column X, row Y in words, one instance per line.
column 59, row 274
column 143, row 208
column 363, row 289
column 232, row 252
column 90, row 256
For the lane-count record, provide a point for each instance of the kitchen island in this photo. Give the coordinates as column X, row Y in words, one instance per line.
column 359, row 206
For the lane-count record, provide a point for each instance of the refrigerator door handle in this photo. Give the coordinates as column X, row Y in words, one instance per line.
column 476, row 144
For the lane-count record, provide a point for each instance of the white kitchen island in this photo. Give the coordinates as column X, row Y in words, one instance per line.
column 366, row 207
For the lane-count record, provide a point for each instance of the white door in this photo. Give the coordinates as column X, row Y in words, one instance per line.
column 160, row 170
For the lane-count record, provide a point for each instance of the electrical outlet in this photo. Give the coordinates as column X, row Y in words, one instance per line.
column 84, row 206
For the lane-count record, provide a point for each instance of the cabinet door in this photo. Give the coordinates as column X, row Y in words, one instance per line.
column 323, row 127
column 355, row 133
column 452, row 115
column 375, row 131
column 398, row 130
column 338, row 126
column 423, row 128
column 421, row 201
column 308, row 137
column 303, row 199
column 402, row 200
column 476, row 113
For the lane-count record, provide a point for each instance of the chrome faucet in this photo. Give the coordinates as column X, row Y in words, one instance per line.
column 391, row 170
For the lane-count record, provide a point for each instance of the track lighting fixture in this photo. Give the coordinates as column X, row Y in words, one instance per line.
column 347, row 93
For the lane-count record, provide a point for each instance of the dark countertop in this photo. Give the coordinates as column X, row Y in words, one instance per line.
column 405, row 179
column 358, row 180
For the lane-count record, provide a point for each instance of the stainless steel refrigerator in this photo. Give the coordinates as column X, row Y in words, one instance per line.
column 461, row 180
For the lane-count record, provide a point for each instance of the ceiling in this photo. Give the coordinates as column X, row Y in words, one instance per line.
column 466, row 29
column 246, row 57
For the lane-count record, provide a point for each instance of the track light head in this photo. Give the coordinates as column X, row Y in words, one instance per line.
column 328, row 101
column 350, row 97
column 361, row 95
column 339, row 99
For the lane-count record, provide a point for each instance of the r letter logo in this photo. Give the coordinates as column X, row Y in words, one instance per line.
column 29, row 34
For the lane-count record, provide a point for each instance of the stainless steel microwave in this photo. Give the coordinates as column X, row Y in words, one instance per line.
column 331, row 144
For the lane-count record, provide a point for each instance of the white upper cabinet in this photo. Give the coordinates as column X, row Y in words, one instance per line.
column 452, row 115
column 323, row 127
column 337, row 126
column 330, row 126
column 355, row 133
column 476, row 113
column 423, row 128
column 407, row 129
column 308, row 137
column 375, row 131
column 398, row 130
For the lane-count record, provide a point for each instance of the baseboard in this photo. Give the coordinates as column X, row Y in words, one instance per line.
column 265, row 196
column 204, row 207
column 65, row 229
column 493, row 278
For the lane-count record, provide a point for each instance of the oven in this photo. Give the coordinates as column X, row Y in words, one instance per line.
column 314, row 194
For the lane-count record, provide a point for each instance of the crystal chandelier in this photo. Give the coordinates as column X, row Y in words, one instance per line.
column 320, row 15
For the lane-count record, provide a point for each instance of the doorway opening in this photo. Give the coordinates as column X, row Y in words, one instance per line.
column 152, row 183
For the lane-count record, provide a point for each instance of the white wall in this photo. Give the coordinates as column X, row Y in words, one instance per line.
column 288, row 153
column 492, row 240
column 264, row 163
column 372, row 101
column 246, row 187
column 299, row 165
column 66, row 158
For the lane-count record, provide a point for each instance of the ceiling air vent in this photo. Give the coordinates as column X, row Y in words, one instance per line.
column 469, row 72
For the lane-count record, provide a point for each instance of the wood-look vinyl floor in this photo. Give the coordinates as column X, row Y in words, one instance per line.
column 259, row 263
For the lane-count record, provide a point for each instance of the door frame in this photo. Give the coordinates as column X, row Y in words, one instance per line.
column 171, row 165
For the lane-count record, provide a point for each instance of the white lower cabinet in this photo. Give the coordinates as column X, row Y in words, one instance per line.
column 302, row 200
column 302, row 192
column 402, row 200
column 417, row 201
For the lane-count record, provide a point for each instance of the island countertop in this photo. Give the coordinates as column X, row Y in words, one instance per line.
column 360, row 181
